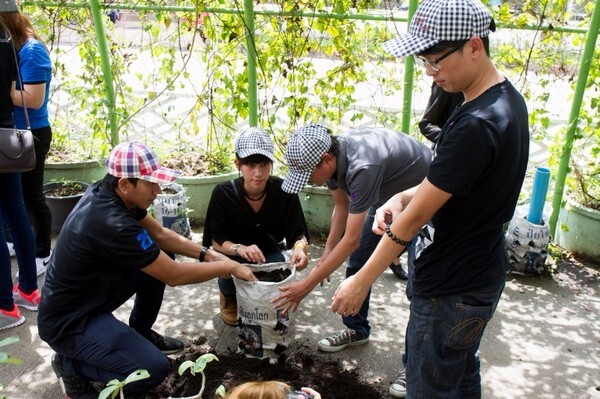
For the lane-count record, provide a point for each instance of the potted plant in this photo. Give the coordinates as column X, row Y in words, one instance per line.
column 579, row 218
column 62, row 196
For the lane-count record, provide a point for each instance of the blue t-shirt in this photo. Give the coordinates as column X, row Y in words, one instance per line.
column 36, row 68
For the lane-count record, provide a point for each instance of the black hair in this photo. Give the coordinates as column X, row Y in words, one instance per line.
column 112, row 181
column 335, row 146
column 253, row 159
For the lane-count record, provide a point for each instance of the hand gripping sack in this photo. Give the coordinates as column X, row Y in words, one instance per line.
column 263, row 331
column 526, row 246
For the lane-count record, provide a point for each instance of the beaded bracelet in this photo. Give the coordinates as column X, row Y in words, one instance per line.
column 202, row 255
column 389, row 233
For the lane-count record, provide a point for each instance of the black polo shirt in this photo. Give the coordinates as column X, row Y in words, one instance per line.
column 99, row 247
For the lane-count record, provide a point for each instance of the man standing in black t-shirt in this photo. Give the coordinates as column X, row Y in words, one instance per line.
column 109, row 249
column 470, row 191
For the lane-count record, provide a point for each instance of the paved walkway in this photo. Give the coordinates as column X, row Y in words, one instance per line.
column 543, row 343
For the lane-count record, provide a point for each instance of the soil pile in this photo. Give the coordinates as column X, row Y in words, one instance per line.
column 300, row 368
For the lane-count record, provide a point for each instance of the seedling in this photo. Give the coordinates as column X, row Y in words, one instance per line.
column 115, row 387
column 6, row 358
column 197, row 367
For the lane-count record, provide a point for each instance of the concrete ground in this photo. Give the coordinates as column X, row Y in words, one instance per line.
column 544, row 341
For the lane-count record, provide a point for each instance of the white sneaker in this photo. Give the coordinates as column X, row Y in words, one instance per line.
column 11, row 249
column 40, row 265
column 398, row 387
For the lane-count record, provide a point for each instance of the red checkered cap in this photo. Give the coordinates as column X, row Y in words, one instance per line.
column 136, row 160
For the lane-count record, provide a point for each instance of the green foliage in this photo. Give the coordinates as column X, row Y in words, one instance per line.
column 205, row 56
column 115, row 387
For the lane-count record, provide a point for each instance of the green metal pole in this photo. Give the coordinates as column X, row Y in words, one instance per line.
column 586, row 61
column 98, row 18
column 252, row 86
column 409, row 76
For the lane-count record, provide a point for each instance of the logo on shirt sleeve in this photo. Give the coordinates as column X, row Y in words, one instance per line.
column 144, row 239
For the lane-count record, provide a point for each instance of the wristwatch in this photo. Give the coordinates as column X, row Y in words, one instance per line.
column 202, row 255
column 235, row 248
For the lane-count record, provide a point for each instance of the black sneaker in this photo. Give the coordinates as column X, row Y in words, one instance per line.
column 167, row 345
column 340, row 340
column 74, row 387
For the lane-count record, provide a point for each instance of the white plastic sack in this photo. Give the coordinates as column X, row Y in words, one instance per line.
column 263, row 331
column 170, row 210
column 526, row 246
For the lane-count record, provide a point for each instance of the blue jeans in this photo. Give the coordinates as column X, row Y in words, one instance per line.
column 108, row 349
column 14, row 216
column 442, row 343
column 368, row 243
column 227, row 286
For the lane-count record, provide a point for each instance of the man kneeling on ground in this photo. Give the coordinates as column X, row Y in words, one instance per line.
column 109, row 249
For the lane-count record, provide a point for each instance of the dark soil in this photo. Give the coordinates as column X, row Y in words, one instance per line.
column 302, row 368
column 274, row 276
column 66, row 189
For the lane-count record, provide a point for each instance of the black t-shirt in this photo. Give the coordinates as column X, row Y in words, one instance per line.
column 229, row 217
column 8, row 73
column 98, row 249
column 480, row 159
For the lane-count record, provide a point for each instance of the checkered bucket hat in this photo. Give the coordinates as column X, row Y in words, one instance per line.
column 254, row 141
column 436, row 21
column 303, row 153
column 136, row 160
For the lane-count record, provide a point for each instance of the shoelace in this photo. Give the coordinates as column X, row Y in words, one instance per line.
column 401, row 380
column 342, row 336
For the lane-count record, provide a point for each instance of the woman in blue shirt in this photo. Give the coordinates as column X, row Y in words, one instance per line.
column 36, row 72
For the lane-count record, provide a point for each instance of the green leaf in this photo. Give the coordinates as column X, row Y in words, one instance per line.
column 221, row 391
column 188, row 364
column 136, row 376
column 9, row 340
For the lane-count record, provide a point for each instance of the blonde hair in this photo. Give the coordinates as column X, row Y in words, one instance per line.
column 260, row 390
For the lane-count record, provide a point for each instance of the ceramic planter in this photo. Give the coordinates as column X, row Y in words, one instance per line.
column 317, row 203
column 85, row 171
column 199, row 190
column 578, row 230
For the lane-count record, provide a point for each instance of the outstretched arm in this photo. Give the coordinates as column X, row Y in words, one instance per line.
column 291, row 295
column 352, row 292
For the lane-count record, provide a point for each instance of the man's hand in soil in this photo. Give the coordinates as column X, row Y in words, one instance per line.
column 291, row 296
column 242, row 272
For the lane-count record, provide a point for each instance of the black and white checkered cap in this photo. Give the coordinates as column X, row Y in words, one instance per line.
column 441, row 20
column 253, row 141
column 303, row 153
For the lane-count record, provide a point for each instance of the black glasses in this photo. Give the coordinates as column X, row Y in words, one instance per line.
column 435, row 64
